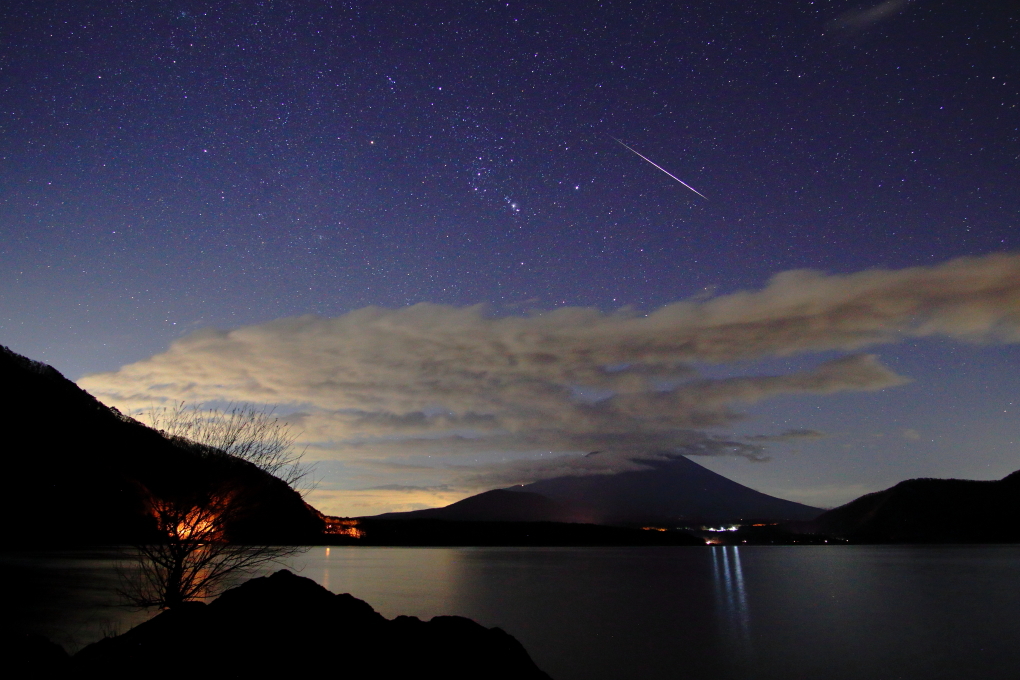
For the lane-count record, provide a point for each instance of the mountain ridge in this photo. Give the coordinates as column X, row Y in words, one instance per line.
column 81, row 472
column 928, row 510
column 676, row 491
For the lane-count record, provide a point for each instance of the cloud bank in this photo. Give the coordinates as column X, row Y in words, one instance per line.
column 460, row 384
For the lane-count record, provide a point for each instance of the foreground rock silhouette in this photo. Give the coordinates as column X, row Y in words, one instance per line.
column 283, row 625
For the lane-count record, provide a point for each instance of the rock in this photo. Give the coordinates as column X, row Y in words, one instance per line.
column 284, row 624
column 31, row 655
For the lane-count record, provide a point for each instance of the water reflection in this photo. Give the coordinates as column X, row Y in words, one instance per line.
column 395, row 581
column 731, row 601
column 840, row 613
column 326, row 569
column 70, row 596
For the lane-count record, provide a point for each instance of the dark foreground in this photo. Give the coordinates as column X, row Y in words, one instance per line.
column 277, row 626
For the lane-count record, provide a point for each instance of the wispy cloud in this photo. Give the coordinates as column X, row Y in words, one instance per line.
column 862, row 18
column 461, row 384
column 787, row 436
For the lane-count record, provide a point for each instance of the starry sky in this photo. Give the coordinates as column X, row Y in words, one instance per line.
column 304, row 171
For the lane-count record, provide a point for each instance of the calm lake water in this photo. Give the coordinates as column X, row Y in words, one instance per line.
column 760, row 612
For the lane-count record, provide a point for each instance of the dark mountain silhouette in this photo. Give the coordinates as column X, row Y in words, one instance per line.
column 669, row 492
column 498, row 505
column 930, row 511
column 282, row 625
column 77, row 471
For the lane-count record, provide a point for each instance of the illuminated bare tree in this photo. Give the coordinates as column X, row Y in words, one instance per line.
column 193, row 554
column 194, row 558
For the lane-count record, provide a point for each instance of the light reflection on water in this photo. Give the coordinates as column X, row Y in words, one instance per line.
column 762, row 612
column 734, row 616
column 395, row 581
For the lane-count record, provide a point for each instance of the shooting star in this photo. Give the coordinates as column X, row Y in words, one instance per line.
column 660, row 168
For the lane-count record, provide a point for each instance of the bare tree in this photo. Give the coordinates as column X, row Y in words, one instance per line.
column 194, row 555
column 244, row 431
column 194, row 558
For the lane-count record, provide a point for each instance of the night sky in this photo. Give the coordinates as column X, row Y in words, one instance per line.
column 176, row 167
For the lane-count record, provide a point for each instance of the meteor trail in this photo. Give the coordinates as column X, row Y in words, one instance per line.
column 660, row 168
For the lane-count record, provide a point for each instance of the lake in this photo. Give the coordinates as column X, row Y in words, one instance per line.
column 757, row 612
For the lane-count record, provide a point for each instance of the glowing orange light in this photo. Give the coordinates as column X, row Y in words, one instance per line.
column 341, row 526
column 194, row 523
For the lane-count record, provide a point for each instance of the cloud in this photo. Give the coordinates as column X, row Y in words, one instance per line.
column 461, row 385
column 862, row 18
column 825, row 495
column 612, row 461
column 787, row 436
column 408, row 488
column 362, row 502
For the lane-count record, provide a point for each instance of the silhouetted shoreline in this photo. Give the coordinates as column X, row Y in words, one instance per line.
column 449, row 533
column 275, row 625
